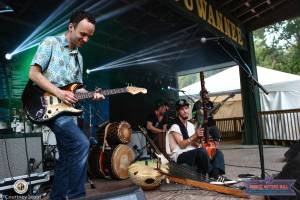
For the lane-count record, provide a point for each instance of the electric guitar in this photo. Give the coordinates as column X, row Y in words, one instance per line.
column 41, row 106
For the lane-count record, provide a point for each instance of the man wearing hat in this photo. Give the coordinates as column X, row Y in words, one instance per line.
column 179, row 141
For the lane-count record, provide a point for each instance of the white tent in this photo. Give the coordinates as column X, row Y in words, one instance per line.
column 229, row 80
column 284, row 88
column 284, row 94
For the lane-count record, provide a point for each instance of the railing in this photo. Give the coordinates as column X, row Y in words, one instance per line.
column 280, row 124
column 283, row 125
column 230, row 127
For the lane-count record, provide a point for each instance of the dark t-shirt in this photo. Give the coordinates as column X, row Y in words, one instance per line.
column 157, row 124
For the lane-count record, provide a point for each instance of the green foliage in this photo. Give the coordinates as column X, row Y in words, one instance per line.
column 188, row 79
column 278, row 46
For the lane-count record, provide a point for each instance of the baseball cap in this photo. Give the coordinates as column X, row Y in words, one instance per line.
column 180, row 103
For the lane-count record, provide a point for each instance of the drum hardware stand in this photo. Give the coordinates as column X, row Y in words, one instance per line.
column 92, row 185
column 91, row 137
column 140, row 152
column 49, row 158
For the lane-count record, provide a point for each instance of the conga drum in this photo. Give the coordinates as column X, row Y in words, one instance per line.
column 112, row 163
column 117, row 133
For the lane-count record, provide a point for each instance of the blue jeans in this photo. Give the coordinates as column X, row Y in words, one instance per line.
column 71, row 168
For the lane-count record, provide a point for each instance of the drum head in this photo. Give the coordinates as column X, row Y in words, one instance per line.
column 121, row 158
column 124, row 132
column 117, row 133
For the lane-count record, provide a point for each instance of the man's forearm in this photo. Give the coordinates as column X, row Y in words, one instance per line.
column 155, row 130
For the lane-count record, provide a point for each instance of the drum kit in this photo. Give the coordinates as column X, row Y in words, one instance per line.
column 112, row 156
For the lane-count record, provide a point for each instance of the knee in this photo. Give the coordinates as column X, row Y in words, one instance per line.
column 219, row 156
column 82, row 146
column 219, row 153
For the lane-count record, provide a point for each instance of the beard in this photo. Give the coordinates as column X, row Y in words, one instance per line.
column 80, row 43
column 184, row 117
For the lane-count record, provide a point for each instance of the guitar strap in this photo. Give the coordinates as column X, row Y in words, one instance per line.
column 104, row 139
column 183, row 129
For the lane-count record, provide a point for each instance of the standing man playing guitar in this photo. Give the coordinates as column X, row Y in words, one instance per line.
column 57, row 63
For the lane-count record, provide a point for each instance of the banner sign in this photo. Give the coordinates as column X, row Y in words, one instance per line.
column 204, row 11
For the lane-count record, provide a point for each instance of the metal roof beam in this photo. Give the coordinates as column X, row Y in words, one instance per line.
column 252, row 8
column 263, row 11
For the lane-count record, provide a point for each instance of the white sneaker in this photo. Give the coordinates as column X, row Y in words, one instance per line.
column 223, row 180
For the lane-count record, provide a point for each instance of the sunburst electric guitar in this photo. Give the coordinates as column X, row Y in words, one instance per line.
column 41, row 106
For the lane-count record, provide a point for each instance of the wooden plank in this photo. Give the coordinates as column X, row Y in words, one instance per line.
column 207, row 186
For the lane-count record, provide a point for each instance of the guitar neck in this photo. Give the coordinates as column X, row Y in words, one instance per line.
column 87, row 95
column 212, row 111
column 204, row 105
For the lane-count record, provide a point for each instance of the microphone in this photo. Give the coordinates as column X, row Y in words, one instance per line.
column 174, row 89
column 204, row 39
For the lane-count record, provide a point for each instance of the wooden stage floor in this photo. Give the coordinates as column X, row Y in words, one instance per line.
column 236, row 155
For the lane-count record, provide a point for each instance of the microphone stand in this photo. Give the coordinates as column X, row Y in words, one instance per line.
column 187, row 95
column 253, row 83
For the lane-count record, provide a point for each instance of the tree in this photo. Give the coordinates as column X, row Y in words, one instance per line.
column 278, row 46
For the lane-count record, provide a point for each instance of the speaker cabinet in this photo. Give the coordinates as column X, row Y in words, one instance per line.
column 13, row 159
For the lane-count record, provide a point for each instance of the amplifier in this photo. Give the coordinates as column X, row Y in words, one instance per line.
column 13, row 159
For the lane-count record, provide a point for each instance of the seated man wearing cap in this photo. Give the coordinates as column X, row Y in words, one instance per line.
column 180, row 141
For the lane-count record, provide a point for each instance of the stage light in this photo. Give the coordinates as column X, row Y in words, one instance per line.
column 153, row 54
column 88, row 71
column 5, row 8
column 8, row 56
column 55, row 22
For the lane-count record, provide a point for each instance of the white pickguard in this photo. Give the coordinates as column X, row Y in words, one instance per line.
column 55, row 106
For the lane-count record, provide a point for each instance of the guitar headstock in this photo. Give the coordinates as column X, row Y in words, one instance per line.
column 136, row 90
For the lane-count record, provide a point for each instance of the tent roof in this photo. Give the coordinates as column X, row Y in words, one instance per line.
column 228, row 81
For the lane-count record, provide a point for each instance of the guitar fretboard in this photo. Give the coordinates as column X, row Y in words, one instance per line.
column 108, row 92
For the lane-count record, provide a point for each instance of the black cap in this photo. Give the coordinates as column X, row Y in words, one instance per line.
column 180, row 103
